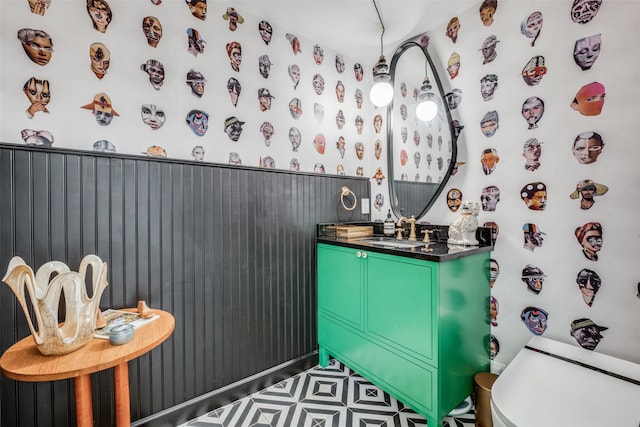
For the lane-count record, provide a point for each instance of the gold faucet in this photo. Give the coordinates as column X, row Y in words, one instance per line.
column 412, row 231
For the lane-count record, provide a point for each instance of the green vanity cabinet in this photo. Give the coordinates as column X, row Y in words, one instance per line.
column 417, row 329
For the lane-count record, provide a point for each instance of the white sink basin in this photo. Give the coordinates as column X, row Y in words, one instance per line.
column 390, row 242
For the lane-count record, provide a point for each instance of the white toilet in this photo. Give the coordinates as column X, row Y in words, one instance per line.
column 553, row 384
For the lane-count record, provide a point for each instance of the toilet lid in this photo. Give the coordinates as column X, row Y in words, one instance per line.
column 564, row 385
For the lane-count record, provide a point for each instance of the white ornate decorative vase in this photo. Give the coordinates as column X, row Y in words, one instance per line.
column 43, row 293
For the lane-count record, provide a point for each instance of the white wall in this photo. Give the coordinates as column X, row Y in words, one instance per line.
column 616, row 305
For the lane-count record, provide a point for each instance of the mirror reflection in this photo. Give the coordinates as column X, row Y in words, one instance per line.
column 422, row 153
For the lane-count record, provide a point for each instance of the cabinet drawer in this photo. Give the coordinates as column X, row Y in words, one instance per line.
column 412, row 383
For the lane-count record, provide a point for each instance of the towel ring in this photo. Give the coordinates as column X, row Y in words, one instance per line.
column 346, row 192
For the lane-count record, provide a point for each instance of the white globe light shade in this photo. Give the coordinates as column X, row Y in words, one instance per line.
column 426, row 110
column 381, row 94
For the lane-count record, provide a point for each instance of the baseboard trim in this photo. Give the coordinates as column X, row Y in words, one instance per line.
column 207, row 402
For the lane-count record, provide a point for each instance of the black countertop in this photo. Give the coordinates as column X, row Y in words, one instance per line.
column 438, row 250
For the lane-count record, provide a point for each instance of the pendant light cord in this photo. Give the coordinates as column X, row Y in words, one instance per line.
column 382, row 25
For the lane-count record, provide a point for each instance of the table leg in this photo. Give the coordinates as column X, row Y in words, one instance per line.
column 121, row 383
column 84, row 408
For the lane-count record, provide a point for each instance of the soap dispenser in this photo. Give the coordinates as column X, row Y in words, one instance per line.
column 389, row 225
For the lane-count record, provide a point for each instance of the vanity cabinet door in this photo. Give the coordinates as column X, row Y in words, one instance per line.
column 401, row 305
column 341, row 284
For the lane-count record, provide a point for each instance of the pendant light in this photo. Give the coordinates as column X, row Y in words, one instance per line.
column 427, row 109
column 381, row 92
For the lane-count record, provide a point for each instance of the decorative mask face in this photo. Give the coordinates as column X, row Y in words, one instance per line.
column 318, row 54
column 102, row 109
column 359, row 124
column 357, row 69
column 295, row 108
column 267, row 132
column 198, row 153
column 198, row 8
column 489, row 198
column 196, row 82
column 233, row 128
column 152, row 116
column 532, row 111
column 403, row 157
column 37, row 44
column 100, row 59
column 39, row 95
column 294, row 73
column 535, row 319
column 487, row 10
column 340, row 119
column 587, row 333
column 195, row 42
column 152, row 30
column 268, row 162
column 378, row 176
column 319, row 143
column 100, row 14
column 233, row 17
column 339, row 64
column 584, row 11
column 234, row 50
column 340, row 145
column 452, row 29
column 377, row 123
column 454, row 199
column 359, row 98
column 453, row 65
column 318, row 84
column 155, row 70
column 264, row 66
column 589, row 99
column 266, row 32
column 234, row 88
column 234, row 159
column 488, row 86
column 294, row 138
column 39, row 7
column 533, row 72
column 586, row 51
column 340, row 91
column 37, row 137
column 531, row 26
column 198, row 122
column 587, row 147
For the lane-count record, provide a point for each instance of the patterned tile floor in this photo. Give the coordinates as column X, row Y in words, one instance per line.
column 331, row 397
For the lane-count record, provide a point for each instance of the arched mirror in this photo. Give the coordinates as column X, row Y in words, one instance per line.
column 422, row 154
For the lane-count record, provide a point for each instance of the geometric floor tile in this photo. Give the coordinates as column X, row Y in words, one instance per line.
column 334, row 396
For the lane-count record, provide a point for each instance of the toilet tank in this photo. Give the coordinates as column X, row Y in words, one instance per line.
column 550, row 383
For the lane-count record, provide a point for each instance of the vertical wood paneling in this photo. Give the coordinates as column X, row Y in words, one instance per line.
column 229, row 251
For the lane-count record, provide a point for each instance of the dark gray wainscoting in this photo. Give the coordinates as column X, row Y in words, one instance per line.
column 229, row 251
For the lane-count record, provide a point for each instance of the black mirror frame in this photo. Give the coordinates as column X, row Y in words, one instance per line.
column 390, row 126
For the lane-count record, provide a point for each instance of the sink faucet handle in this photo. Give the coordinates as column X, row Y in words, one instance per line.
column 427, row 237
column 399, row 233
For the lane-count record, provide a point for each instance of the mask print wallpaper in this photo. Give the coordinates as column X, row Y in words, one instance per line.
column 552, row 184
column 556, row 81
